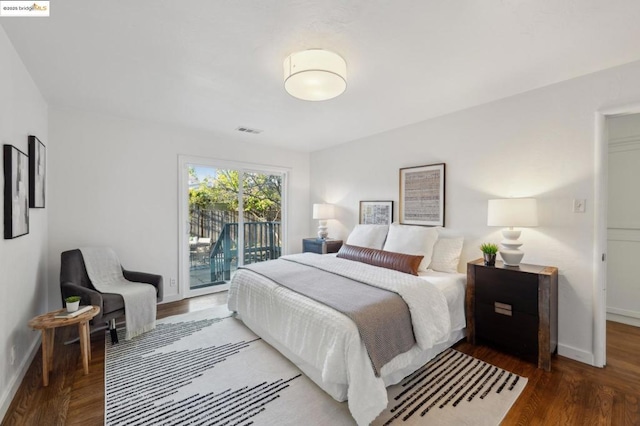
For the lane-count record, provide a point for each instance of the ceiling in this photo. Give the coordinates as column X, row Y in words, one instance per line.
column 217, row 65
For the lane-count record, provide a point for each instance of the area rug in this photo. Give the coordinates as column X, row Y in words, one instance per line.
column 207, row 368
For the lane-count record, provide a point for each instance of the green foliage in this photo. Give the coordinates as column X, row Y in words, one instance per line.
column 489, row 248
column 261, row 194
column 72, row 299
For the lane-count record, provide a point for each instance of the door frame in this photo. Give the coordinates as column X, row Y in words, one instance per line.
column 184, row 290
column 600, row 221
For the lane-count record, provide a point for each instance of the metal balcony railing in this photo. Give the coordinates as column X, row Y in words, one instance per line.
column 261, row 242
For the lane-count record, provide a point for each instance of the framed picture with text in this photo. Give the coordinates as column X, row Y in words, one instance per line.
column 422, row 195
column 376, row 212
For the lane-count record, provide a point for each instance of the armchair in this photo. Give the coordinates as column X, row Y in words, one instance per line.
column 74, row 281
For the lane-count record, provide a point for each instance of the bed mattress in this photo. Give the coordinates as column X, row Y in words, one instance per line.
column 325, row 344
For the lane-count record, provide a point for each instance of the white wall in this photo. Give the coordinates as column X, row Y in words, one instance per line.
column 115, row 184
column 623, row 234
column 23, row 261
column 539, row 144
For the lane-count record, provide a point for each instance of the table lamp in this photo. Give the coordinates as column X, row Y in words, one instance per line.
column 512, row 212
column 322, row 212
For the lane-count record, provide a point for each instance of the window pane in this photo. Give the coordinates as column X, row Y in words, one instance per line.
column 216, row 224
column 262, row 202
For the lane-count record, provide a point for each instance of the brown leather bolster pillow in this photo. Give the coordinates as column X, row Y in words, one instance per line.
column 406, row 263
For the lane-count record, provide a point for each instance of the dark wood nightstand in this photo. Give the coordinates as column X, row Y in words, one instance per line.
column 314, row 245
column 514, row 308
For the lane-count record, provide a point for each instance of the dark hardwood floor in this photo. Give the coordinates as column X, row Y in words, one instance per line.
column 574, row 393
column 571, row 394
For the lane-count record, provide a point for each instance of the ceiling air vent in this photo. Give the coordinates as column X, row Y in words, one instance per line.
column 248, row 130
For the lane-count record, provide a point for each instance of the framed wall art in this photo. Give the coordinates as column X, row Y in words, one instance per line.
column 16, row 192
column 37, row 172
column 376, row 212
column 422, row 195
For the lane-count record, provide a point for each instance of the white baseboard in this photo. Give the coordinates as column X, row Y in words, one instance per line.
column 625, row 312
column 14, row 383
column 169, row 299
column 576, row 354
column 624, row 319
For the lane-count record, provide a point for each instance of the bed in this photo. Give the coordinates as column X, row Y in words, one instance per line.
column 326, row 345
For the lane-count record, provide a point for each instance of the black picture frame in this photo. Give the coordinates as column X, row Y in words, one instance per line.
column 422, row 192
column 37, row 173
column 376, row 212
column 16, row 192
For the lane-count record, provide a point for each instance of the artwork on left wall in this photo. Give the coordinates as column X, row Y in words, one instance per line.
column 16, row 192
column 37, row 172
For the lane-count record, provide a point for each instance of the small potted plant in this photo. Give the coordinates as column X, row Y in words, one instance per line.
column 489, row 251
column 73, row 303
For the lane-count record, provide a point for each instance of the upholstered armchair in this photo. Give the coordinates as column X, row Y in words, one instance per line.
column 74, row 281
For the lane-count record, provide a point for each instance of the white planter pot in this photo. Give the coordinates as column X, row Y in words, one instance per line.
column 73, row 306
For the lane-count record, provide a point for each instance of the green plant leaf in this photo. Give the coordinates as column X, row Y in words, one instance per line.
column 489, row 248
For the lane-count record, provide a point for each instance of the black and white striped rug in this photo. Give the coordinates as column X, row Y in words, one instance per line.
column 206, row 368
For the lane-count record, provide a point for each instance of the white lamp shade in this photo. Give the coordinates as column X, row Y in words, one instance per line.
column 323, row 211
column 513, row 212
column 315, row 75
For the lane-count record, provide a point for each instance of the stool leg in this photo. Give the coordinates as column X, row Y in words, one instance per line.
column 84, row 346
column 45, row 357
column 87, row 331
column 52, row 338
column 113, row 331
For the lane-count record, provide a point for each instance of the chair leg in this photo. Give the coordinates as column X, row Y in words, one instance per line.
column 113, row 331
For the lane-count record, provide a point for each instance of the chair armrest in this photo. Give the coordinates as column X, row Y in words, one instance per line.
column 87, row 296
column 143, row 277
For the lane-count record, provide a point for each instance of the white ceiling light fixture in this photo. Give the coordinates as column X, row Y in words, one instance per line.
column 315, row 75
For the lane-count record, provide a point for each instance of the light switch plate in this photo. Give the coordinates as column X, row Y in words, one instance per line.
column 579, row 205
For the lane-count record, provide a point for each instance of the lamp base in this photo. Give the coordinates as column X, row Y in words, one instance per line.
column 511, row 257
column 511, row 254
column 322, row 230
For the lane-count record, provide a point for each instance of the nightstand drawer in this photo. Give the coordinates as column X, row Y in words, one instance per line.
column 314, row 245
column 311, row 245
column 519, row 290
column 514, row 331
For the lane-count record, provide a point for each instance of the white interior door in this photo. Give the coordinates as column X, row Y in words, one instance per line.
column 623, row 219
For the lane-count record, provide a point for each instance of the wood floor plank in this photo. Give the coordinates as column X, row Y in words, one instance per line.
column 571, row 394
column 599, row 405
column 631, row 415
column 618, row 409
column 532, row 402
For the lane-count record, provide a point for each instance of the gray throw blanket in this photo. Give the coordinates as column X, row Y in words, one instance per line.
column 105, row 273
column 381, row 316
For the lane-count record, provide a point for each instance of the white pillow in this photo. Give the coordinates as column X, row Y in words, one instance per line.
column 370, row 236
column 409, row 239
column 446, row 255
column 448, row 233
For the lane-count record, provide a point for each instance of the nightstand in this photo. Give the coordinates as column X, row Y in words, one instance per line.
column 314, row 245
column 514, row 308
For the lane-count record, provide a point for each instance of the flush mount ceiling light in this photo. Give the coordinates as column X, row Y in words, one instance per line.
column 315, row 75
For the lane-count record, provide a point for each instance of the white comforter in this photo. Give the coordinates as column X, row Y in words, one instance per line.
column 320, row 339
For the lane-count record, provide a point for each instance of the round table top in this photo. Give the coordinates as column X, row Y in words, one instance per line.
column 49, row 319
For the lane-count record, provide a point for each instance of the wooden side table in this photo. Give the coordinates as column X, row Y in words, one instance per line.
column 48, row 324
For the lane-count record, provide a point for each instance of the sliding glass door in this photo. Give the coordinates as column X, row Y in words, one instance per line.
column 233, row 217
